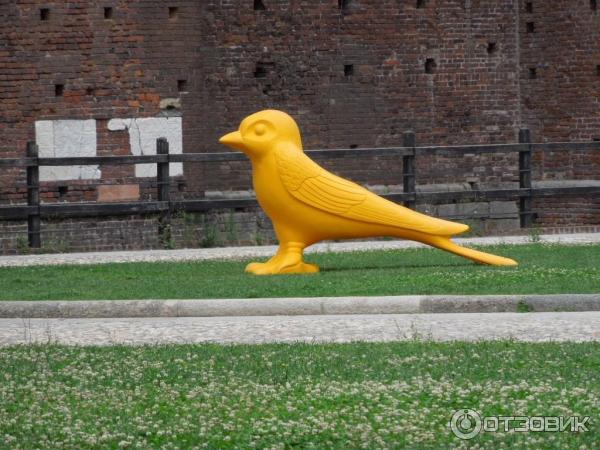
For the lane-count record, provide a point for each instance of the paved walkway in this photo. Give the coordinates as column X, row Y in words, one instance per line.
column 264, row 251
column 532, row 327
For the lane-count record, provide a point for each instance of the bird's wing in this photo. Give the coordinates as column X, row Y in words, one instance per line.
column 311, row 184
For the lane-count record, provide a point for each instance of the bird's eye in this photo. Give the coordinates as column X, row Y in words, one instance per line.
column 260, row 129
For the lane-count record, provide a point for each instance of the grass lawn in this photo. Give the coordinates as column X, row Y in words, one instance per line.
column 543, row 269
column 293, row 396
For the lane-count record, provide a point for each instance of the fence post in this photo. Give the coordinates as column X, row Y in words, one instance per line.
column 33, row 197
column 162, row 183
column 525, row 202
column 408, row 168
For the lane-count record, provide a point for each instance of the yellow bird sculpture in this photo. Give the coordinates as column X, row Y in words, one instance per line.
column 308, row 204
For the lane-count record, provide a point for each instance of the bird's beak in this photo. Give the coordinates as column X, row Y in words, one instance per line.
column 234, row 140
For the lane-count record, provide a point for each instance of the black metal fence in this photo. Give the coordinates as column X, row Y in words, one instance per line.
column 34, row 211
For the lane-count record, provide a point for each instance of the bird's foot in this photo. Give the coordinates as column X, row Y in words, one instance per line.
column 279, row 268
column 288, row 260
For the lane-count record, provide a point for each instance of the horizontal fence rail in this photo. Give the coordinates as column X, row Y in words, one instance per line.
column 452, row 150
column 409, row 152
column 58, row 210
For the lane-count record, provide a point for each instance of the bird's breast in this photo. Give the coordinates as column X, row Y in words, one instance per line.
column 270, row 191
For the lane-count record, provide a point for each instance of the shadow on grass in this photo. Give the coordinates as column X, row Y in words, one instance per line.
column 325, row 268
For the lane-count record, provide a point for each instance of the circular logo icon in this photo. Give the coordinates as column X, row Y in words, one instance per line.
column 466, row 423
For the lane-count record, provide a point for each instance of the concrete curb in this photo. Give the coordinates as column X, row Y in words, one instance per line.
column 300, row 306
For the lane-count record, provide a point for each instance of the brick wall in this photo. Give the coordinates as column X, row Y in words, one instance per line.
column 468, row 71
column 355, row 77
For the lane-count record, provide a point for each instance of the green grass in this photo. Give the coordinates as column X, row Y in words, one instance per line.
column 360, row 395
column 543, row 269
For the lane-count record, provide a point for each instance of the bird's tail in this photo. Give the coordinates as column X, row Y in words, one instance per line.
column 444, row 243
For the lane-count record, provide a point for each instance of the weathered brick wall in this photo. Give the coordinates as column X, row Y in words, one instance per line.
column 358, row 77
column 455, row 72
column 559, row 75
column 353, row 77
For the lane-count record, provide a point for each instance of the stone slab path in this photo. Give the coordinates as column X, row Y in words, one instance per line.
column 530, row 327
column 202, row 254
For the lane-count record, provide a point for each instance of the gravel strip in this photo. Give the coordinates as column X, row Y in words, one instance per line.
column 238, row 253
column 538, row 327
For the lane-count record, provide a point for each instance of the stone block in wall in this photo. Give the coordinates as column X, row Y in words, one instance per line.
column 64, row 138
column 144, row 132
column 565, row 183
column 444, row 187
column 427, row 208
column 463, row 209
column 501, row 226
column 383, row 189
column 503, row 209
column 492, row 185
column 229, row 195
column 119, row 193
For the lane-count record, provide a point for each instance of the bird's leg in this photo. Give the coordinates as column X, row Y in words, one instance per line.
column 287, row 260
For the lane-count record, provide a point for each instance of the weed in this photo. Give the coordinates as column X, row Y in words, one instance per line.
column 534, row 234
column 258, row 238
column 190, row 227
column 166, row 236
column 23, row 245
column 231, row 229
column 524, row 307
column 55, row 246
column 210, row 235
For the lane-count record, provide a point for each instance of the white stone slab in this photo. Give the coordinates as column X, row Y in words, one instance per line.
column 64, row 138
column 143, row 134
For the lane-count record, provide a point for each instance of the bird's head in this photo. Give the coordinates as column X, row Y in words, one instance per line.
column 259, row 133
